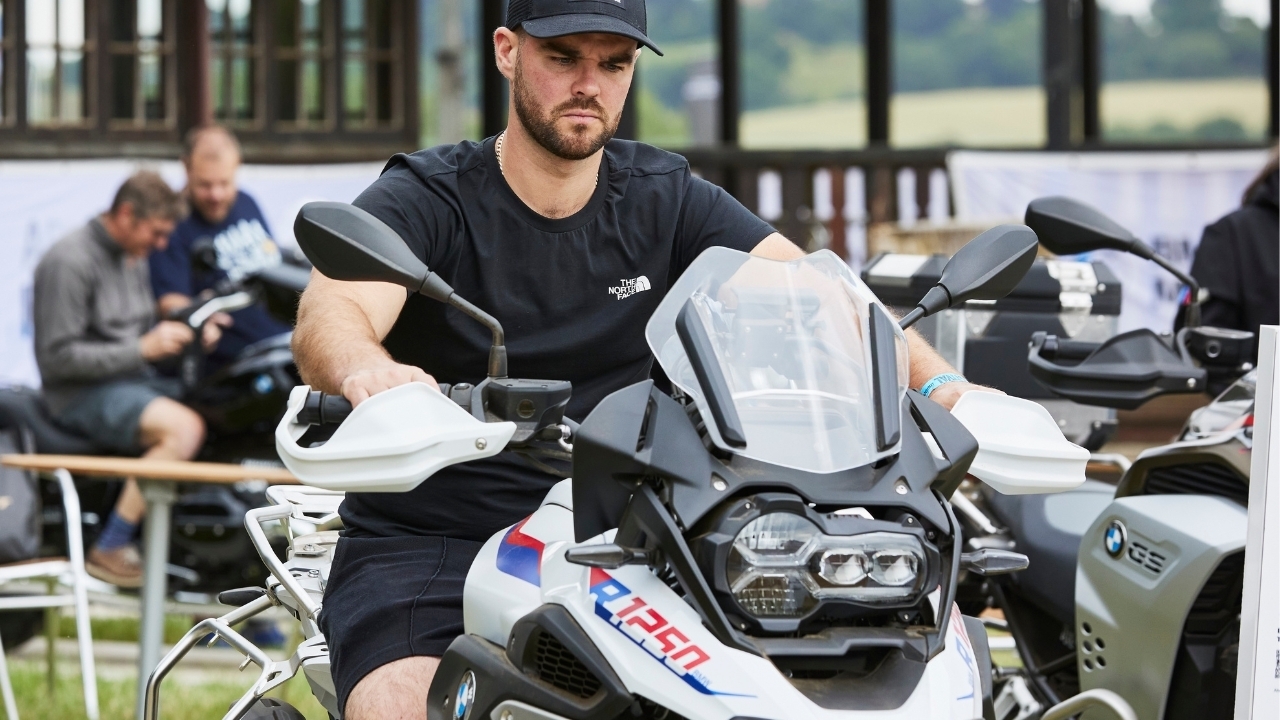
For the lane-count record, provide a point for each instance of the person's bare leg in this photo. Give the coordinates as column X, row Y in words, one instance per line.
column 395, row 691
column 168, row 430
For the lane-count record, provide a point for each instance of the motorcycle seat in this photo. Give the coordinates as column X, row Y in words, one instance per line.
column 1048, row 529
column 22, row 407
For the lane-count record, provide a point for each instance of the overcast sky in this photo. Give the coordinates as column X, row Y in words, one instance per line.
column 1256, row 9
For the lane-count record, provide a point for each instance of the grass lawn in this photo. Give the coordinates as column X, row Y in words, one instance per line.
column 178, row 701
column 186, row 696
column 1011, row 116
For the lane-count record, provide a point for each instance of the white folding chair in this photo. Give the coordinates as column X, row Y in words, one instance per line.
column 69, row 573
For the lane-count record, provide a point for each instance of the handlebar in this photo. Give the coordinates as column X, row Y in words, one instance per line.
column 321, row 408
column 1124, row 372
column 324, row 409
column 1056, row 348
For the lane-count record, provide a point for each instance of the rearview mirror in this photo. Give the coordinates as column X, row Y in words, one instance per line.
column 1070, row 227
column 344, row 242
column 988, row 267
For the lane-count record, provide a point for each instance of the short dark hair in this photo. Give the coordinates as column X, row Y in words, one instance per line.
column 150, row 196
column 192, row 139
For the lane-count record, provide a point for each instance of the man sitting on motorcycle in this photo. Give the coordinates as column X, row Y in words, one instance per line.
column 228, row 217
column 96, row 337
column 570, row 239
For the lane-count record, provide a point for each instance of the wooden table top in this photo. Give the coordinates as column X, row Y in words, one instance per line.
column 145, row 469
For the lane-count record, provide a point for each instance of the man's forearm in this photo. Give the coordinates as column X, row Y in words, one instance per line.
column 926, row 363
column 333, row 339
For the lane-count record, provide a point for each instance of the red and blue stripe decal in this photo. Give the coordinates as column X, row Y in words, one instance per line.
column 520, row 555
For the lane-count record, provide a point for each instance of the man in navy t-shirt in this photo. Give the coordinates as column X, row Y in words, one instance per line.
column 231, row 220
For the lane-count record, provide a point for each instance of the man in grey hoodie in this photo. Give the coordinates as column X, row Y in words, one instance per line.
column 96, row 336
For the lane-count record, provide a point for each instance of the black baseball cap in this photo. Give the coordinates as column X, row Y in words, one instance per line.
column 556, row 18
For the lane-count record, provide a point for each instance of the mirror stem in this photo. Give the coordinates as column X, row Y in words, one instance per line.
column 1192, row 318
column 498, row 352
column 910, row 318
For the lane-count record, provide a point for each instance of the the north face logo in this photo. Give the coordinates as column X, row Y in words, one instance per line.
column 630, row 287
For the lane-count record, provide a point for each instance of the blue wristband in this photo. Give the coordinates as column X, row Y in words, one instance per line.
column 940, row 380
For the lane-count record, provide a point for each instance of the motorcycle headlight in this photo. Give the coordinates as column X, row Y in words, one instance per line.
column 781, row 565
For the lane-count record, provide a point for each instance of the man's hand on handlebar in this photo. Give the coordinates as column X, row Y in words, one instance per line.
column 164, row 340
column 359, row 386
column 211, row 333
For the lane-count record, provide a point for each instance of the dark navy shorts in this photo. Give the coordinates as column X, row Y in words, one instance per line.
column 390, row 598
column 109, row 414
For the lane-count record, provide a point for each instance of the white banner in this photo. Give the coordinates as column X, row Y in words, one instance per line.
column 1258, row 675
column 40, row 201
column 1164, row 198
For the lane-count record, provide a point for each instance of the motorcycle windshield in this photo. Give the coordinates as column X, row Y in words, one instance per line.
column 792, row 341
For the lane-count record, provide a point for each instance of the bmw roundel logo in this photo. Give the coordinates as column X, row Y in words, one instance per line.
column 1115, row 538
column 465, row 696
column 263, row 384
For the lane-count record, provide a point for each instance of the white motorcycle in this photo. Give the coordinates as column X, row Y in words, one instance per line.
column 771, row 539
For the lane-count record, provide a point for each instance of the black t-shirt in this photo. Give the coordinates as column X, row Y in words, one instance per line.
column 573, row 295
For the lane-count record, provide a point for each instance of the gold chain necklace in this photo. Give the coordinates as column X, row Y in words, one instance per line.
column 497, row 149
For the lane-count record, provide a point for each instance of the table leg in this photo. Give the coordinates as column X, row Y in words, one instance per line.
column 159, row 496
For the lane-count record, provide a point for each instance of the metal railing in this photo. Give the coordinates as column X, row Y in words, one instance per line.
column 815, row 196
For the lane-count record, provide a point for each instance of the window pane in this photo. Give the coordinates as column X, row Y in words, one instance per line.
column 310, row 27
column 153, row 105
column 1184, row 70
column 313, row 91
column 72, row 95
column 241, row 14
column 41, row 66
column 242, row 88
column 218, row 87
column 380, row 23
column 382, row 91
column 71, row 23
column 967, row 72
column 802, row 73
column 42, row 17
column 123, row 75
column 241, row 17
column 287, row 98
column 217, row 20
column 353, row 81
column 123, row 20
column 286, row 23
column 150, row 21
column 353, row 17
column 677, row 97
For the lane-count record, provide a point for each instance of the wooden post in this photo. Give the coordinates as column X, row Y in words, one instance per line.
column 879, row 44
column 451, row 112
column 493, row 87
column 836, row 226
column 193, row 61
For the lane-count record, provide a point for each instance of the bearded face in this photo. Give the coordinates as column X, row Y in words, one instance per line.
column 570, row 103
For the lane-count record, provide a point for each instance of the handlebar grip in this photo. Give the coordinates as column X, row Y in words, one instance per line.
column 1056, row 349
column 324, row 409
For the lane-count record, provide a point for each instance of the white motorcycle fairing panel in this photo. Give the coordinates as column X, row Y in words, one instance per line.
column 390, row 442
column 656, row 642
column 1021, row 449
